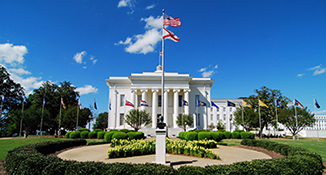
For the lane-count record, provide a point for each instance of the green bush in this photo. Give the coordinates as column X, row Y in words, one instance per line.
column 100, row 135
column 119, row 135
column 135, row 135
column 182, row 135
column 68, row 134
column 75, row 135
column 239, row 130
column 84, row 134
column 126, row 130
column 191, row 136
column 92, row 135
column 98, row 130
column 227, row 134
column 204, row 135
column 83, row 129
column 217, row 136
column 108, row 135
column 235, row 135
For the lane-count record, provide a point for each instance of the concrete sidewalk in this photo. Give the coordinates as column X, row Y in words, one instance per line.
column 98, row 153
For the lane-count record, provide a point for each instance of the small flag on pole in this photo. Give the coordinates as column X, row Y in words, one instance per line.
column 44, row 101
column 230, row 103
column 143, row 103
column 128, row 103
column 214, row 105
column 169, row 35
column 317, row 105
column 297, row 103
column 3, row 98
column 262, row 104
column 200, row 103
column 168, row 20
column 95, row 107
column 246, row 104
column 63, row 104
column 25, row 99
column 185, row 103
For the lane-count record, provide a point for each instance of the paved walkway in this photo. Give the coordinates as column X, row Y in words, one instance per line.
column 98, row 153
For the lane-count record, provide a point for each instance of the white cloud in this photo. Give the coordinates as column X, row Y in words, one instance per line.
column 126, row 3
column 216, row 66
column 202, row 69
column 19, row 71
column 86, row 90
column 300, row 75
column 318, row 70
column 150, row 7
column 319, row 112
column 208, row 73
column 11, row 54
column 144, row 43
column 28, row 83
column 79, row 57
column 93, row 60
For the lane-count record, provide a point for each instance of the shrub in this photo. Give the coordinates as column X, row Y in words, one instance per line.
column 68, row 134
column 239, row 130
column 182, row 135
column 92, row 135
column 227, row 134
column 235, row 135
column 191, row 136
column 100, row 135
column 135, row 135
column 108, row 135
column 84, row 134
column 204, row 135
column 126, row 130
column 98, row 130
column 75, row 135
column 216, row 136
column 83, row 129
column 119, row 135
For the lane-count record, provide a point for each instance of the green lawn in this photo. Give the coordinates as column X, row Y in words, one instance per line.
column 7, row 144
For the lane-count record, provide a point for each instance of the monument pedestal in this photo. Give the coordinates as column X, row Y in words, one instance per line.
column 160, row 146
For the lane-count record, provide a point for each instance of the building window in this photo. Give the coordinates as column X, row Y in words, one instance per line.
column 211, row 117
column 224, row 117
column 122, row 119
column 122, row 99
column 159, row 100
column 223, row 109
column 180, row 100
column 218, row 116
column 198, row 120
column 139, row 98
column 196, row 100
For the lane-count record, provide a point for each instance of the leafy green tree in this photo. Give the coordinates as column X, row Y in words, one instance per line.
column 185, row 120
column 267, row 96
column 101, row 121
column 13, row 93
column 304, row 119
column 136, row 118
column 220, row 125
column 249, row 119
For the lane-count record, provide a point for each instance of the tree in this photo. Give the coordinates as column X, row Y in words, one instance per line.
column 304, row 119
column 249, row 119
column 268, row 97
column 185, row 120
column 220, row 125
column 136, row 118
column 13, row 93
column 101, row 121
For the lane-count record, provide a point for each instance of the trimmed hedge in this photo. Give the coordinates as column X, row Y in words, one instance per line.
column 227, row 134
column 236, row 135
column 126, row 130
column 135, row 135
column 84, row 134
column 83, row 129
column 98, row 130
column 68, row 134
column 191, row 136
column 204, row 135
column 100, row 135
column 119, row 135
column 108, row 135
column 92, row 135
column 217, row 136
column 75, row 135
column 247, row 135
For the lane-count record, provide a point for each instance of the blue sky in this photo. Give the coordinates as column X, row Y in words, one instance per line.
column 242, row 45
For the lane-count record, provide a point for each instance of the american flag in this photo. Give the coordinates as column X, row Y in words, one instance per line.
column 168, row 20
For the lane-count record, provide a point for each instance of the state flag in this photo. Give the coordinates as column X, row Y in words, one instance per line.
column 262, row 104
column 297, row 103
column 246, row 104
column 143, row 103
column 128, row 103
column 185, row 103
column 231, row 104
column 200, row 103
column 317, row 105
column 213, row 104
column 63, row 104
column 169, row 35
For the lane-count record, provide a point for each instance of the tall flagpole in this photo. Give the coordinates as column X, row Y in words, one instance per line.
column 278, row 137
column 162, row 95
column 317, row 121
column 42, row 117
column 77, row 113
column 242, row 117
column 21, row 120
column 260, row 130
column 60, row 118
column 296, row 116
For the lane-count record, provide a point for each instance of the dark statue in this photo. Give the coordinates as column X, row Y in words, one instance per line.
column 160, row 123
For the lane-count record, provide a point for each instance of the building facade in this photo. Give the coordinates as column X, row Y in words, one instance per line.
column 147, row 87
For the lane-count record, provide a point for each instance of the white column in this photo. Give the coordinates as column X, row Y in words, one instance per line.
column 154, row 108
column 166, row 107
column 143, row 97
column 133, row 96
column 205, row 115
column 186, row 91
column 215, row 116
column 175, row 107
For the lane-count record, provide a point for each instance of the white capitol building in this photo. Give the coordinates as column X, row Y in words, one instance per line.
column 147, row 86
